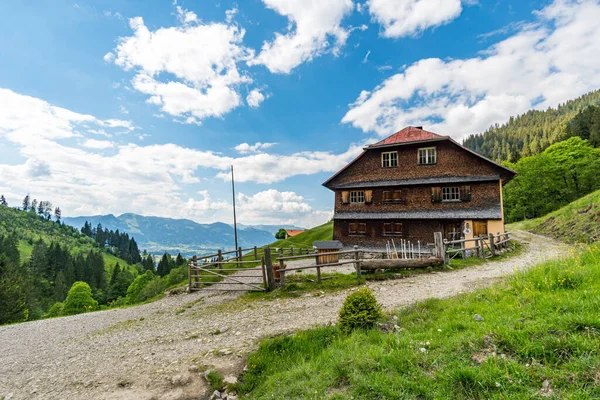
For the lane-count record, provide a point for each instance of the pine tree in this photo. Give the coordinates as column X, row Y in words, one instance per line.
column 57, row 214
column 3, row 202
column 34, row 206
column 26, row 203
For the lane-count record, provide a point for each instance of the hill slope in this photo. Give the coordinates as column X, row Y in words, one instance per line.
column 157, row 234
column 529, row 133
column 578, row 221
column 30, row 228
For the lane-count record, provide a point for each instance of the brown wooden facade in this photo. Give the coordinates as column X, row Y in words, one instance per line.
column 415, row 183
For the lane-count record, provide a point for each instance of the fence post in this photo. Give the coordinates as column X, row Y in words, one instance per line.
column 492, row 245
column 189, row 276
column 239, row 256
column 255, row 253
column 507, row 240
column 196, row 277
column 220, row 258
column 357, row 263
column 481, row 247
column 262, row 269
column 463, row 247
column 292, row 250
column 269, row 268
column 281, row 272
column 439, row 244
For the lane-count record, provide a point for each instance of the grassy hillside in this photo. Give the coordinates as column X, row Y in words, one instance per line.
column 306, row 238
column 538, row 336
column 30, row 228
column 578, row 221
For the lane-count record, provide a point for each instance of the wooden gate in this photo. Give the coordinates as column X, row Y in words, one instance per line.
column 236, row 273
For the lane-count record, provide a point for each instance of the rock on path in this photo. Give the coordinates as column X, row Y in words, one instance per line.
column 154, row 351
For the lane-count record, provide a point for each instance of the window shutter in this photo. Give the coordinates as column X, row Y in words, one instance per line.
column 387, row 228
column 345, row 197
column 397, row 195
column 352, row 227
column 387, row 195
column 436, row 194
column 398, row 228
column 368, row 196
column 362, row 227
column 465, row 193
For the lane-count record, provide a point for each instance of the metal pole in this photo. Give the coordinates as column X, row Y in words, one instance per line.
column 234, row 219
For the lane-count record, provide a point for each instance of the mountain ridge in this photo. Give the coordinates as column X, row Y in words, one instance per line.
column 160, row 234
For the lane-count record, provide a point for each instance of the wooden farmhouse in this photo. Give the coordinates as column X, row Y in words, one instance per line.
column 415, row 183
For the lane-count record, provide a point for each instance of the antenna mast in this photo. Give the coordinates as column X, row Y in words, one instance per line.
column 234, row 219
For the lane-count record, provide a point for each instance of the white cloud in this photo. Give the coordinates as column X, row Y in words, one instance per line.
column 313, row 29
column 190, row 71
column 245, row 148
column 410, row 17
column 254, row 98
column 230, row 14
column 366, row 58
column 123, row 110
column 98, row 144
column 145, row 179
column 553, row 60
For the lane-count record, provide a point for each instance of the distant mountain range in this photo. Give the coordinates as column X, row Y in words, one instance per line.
column 157, row 234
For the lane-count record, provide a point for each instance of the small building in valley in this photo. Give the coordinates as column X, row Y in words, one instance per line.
column 415, row 183
column 293, row 232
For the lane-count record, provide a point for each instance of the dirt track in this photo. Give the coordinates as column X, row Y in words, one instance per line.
column 152, row 351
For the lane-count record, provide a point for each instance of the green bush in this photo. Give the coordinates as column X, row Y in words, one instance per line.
column 79, row 299
column 56, row 310
column 137, row 286
column 176, row 276
column 215, row 380
column 360, row 310
column 152, row 289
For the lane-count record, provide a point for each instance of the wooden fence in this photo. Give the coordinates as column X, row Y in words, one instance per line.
column 483, row 246
column 215, row 269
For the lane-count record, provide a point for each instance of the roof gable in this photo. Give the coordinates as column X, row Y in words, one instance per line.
column 416, row 135
column 408, row 135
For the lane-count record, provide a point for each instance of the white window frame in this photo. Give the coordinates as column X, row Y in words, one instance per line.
column 429, row 156
column 451, row 194
column 357, row 197
column 389, row 159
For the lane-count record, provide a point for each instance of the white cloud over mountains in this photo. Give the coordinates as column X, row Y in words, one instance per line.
column 65, row 164
column 314, row 29
column 546, row 62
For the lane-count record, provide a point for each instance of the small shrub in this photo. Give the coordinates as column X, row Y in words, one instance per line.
column 79, row 299
column 360, row 310
column 215, row 380
column 56, row 310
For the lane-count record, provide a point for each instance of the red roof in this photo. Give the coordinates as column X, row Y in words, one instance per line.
column 407, row 135
column 293, row 232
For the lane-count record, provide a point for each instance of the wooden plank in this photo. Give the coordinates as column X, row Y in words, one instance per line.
column 400, row 263
column 357, row 264
column 262, row 269
column 281, row 272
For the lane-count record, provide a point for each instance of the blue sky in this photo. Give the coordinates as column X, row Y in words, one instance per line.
column 141, row 106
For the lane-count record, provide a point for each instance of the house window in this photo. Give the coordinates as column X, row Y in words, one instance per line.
column 357, row 196
column 357, row 228
column 480, row 228
column 451, row 193
column 392, row 196
column 389, row 159
column 392, row 229
column 427, row 155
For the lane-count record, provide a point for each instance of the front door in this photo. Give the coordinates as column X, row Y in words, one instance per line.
column 452, row 230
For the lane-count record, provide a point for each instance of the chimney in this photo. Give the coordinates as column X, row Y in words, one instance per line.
column 419, row 127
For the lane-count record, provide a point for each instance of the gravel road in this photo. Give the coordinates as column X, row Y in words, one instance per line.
column 153, row 351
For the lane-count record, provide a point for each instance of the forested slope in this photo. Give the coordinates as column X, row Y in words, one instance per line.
column 534, row 131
